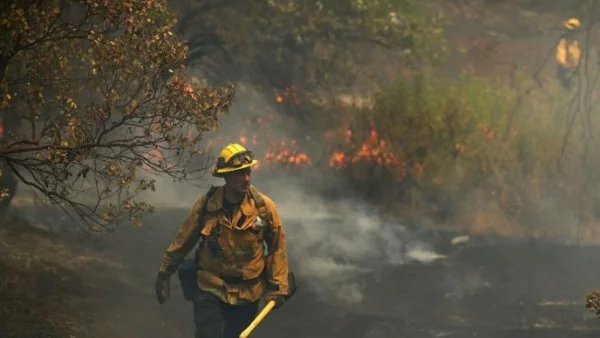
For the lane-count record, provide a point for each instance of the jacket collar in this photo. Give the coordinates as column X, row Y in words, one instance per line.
column 215, row 202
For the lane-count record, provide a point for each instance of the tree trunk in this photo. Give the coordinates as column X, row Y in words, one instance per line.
column 7, row 181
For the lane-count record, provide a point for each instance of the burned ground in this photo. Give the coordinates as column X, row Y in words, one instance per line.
column 53, row 286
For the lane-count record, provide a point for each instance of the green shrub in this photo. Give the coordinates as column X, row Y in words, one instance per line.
column 467, row 143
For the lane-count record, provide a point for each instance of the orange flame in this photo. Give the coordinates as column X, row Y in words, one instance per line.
column 337, row 160
column 288, row 153
column 290, row 93
column 285, row 154
column 372, row 150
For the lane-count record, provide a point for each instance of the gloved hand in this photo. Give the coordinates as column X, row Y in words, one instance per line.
column 279, row 300
column 162, row 287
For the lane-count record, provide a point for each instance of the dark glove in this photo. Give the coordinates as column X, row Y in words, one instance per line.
column 162, row 287
column 279, row 300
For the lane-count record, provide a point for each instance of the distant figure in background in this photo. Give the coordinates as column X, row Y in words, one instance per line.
column 568, row 53
column 234, row 225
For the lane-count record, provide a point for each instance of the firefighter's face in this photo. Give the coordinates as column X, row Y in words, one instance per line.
column 239, row 181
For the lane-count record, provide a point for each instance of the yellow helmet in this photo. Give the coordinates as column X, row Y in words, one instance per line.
column 572, row 23
column 233, row 157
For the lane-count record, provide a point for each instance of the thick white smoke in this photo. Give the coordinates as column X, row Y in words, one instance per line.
column 338, row 245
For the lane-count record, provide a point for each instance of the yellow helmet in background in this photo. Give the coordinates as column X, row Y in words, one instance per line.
column 572, row 23
column 232, row 158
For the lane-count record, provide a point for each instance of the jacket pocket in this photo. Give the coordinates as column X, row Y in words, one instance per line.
column 254, row 268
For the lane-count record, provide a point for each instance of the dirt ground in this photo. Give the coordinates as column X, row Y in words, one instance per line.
column 55, row 286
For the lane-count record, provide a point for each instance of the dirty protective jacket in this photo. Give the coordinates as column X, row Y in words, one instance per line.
column 231, row 259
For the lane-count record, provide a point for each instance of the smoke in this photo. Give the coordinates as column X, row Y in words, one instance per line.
column 467, row 283
column 336, row 242
column 171, row 194
column 337, row 246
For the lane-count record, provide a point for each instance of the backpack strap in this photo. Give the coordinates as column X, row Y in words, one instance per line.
column 263, row 212
column 202, row 212
column 207, row 197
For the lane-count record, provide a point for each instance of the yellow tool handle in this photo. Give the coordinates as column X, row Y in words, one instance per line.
column 263, row 313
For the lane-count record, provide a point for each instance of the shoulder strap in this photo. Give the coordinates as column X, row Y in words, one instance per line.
column 207, row 197
column 263, row 212
column 209, row 194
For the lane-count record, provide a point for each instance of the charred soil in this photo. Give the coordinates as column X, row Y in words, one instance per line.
column 57, row 286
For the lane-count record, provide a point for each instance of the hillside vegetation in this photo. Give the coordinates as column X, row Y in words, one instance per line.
column 496, row 144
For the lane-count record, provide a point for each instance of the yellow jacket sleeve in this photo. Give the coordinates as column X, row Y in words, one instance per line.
column 276, row 259
column 185, row 240
column 561, row 52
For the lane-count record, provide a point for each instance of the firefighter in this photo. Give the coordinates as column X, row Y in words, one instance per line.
column 568, row 53
column 241, row 254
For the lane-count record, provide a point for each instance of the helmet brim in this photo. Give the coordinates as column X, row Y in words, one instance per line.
column 218, row 172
